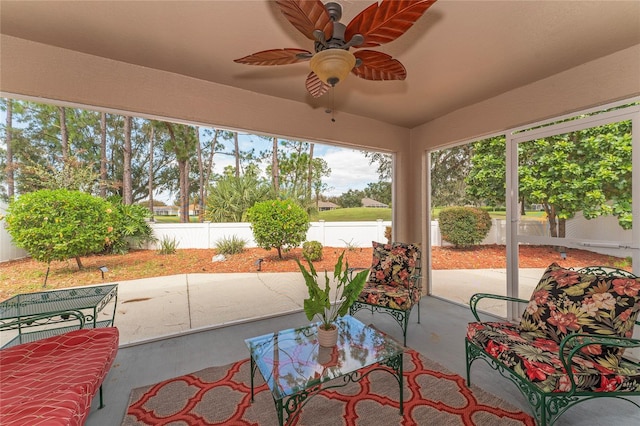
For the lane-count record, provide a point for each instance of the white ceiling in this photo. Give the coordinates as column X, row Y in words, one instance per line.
column 458, row 54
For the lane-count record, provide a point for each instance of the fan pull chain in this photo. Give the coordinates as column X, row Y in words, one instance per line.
column 332, row 109
column 333, row 99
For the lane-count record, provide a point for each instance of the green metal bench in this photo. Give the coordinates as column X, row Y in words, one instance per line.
column 34, row 316
column 555, row 376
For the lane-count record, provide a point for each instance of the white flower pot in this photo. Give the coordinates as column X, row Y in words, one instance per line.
column 328, row 338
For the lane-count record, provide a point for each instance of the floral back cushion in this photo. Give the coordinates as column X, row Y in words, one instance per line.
column 394, row 264
column 565, row 301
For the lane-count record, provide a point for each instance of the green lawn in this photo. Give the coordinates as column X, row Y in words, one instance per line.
column 356, row 214
column 173, row 219
column 353, row 214
column 494, row 214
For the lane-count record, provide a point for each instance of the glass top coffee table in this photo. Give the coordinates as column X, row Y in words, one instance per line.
column 295, row 367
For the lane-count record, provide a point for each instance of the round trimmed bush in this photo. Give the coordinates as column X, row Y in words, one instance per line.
column 464, row 226
column 312, row 250
column 279, row 224
column 61, row 224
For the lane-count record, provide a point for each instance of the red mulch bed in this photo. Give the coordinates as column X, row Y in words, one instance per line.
column 27, row 275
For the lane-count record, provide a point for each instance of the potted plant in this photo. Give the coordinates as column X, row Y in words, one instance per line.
column 319, row 301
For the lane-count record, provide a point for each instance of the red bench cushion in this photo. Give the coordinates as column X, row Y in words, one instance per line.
column 52, row 381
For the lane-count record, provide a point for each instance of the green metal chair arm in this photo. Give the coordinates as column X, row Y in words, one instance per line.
column 473, row 302
column 33, row 320
column 587, row 340
column 415, row 279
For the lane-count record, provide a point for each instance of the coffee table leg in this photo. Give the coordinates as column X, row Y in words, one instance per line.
column 401, row 381
column 280, row 410
column 253, row 370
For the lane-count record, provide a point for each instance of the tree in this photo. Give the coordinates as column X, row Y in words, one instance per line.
column 275, row 168
column 351, row 198
column 182, row 142
column 448, row 170
column 103, row 155
column 230, row 197
column 72, row 174
column 60, row 224
column 320, row 169
column 384, row 162
column 93, row 139
column 150, row 196
column 294, row 171
column 379, row 191
column 8, row 130
column 587, row 170
column 127, row 184
column 279, row 224
column 486, row 179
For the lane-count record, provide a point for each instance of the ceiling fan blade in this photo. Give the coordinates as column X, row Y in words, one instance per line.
column 385, row 22
column 276, row 57
column 315, row 86
column 307, row 16
column 378, row 66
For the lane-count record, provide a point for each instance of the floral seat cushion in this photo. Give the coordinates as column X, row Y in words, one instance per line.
column 535, row 358
column 565, row 301
column 393, row 264
column 389, row 296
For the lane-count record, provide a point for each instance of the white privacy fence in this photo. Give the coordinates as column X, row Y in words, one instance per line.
column 330, row 234
column 351, row 234
column 8, row 251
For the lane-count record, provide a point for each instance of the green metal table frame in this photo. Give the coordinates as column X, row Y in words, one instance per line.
column 289, row 402
column 43, row 314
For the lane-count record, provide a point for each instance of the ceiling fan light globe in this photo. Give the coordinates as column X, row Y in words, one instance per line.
column 332, row 65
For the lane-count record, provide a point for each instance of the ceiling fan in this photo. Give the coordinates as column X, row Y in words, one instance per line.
column 331, row 61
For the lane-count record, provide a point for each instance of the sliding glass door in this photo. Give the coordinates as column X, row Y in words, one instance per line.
column 579, row 174
column 567, row 186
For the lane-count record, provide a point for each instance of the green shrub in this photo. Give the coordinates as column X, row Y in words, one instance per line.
column 230, row 245
column 132, row 228
column 312, row 250
column 279, row 224
column 464, row 226
column 168, row 245
column 61, row 224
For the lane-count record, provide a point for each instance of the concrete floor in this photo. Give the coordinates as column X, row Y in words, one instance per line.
column 440, row 336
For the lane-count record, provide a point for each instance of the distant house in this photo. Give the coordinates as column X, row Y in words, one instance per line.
column 327, row 205
column 194, row 210
column 165, row 210
column 373, row 204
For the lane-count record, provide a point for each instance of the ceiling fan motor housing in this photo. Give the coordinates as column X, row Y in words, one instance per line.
column 334, row 10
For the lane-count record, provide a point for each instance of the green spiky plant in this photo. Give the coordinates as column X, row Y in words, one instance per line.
column 319, row 302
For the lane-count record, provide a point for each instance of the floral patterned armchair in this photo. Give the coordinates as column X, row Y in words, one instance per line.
column 393, row 286
column 570, row 342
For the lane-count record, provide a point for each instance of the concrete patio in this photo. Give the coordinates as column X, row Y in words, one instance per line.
column 161, row 307
column 164, row 334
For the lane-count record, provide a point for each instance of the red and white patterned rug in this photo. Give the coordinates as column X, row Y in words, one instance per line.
column 221, row 396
